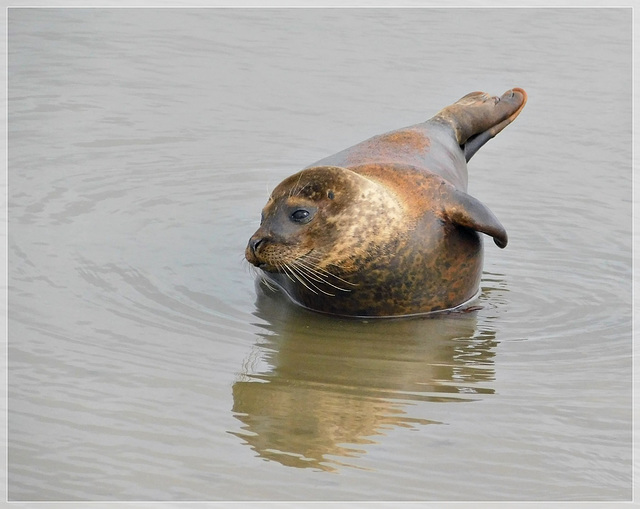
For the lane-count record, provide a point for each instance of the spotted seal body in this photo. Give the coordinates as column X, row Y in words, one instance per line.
column 386, row 228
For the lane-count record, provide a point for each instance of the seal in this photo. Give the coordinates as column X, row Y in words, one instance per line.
column 385, row 228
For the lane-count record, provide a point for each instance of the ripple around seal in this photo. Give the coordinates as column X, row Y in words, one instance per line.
column 569, row 269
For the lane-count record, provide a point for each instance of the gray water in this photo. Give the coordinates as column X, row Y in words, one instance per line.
column 144, row 364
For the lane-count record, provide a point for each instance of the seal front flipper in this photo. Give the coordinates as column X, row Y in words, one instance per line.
column 464, row 210
column 477, row 117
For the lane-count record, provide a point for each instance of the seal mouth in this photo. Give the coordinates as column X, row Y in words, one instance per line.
column 267, row 267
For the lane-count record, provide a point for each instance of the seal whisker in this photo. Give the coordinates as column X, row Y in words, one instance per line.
column 321, row 275
column 293, row 188
column 282, row 267
column 331, row 274
column 292, row 273
column 323, row 272
column 268, row 284
column 309, row 277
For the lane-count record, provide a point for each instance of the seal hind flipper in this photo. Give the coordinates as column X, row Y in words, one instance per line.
column 477, row 117
column 464, row 210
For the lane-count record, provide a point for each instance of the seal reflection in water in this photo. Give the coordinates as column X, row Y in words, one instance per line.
column 386, row 228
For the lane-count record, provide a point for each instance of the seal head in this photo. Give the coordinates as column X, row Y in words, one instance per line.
column 319, row 225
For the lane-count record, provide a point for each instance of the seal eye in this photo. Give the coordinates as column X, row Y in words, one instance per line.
column 301, row 216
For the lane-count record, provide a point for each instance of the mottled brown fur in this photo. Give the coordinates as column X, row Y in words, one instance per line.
column 390, row 230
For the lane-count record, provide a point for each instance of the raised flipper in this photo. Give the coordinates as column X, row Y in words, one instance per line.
column 478, row 117
column 464, row 210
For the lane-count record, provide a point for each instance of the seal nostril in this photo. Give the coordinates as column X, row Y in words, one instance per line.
column 255, row 243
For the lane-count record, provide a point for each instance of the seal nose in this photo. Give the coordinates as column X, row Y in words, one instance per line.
column 251, row 253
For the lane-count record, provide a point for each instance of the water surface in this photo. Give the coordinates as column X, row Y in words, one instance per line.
column 144, row 363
